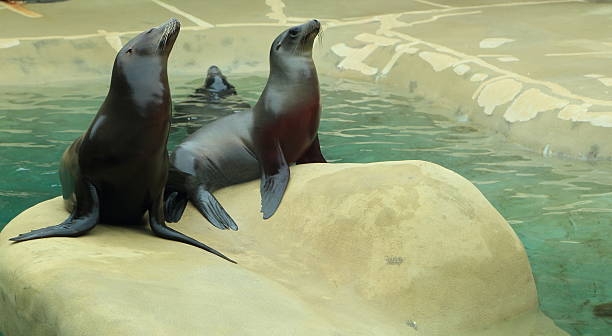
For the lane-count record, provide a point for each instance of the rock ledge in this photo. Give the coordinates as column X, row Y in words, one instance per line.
column 391, row 248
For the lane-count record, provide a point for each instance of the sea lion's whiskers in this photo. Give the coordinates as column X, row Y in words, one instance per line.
column 168, row 29
column 163, row 39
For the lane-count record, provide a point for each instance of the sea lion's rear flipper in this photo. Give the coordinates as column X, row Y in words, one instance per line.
column 312, row 154
column 210, row 208
column 274, row 180
column 159, row 227
column 174, row 206
column 83, row 218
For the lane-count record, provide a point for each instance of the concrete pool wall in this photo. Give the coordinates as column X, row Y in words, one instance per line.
column 537, row 72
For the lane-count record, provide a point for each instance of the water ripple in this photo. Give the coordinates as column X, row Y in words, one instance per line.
column 560, row 209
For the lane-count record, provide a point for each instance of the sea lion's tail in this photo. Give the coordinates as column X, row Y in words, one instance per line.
column 210, row 208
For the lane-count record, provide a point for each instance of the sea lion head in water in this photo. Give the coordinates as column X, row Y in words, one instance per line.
column 116, row 171
column 216, row 83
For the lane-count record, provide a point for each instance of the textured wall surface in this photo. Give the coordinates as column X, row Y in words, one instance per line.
column 536, row 71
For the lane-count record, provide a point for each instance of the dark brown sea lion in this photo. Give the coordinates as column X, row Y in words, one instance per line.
column 280, row 129
column 117, row 170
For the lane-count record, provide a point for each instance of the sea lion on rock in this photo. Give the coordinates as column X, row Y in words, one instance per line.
column 280, row 129
column 117, row 170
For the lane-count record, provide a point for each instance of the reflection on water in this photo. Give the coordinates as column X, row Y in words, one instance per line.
column 197, row 110
column 560, row 209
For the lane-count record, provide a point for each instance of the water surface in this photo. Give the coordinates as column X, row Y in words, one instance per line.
column 560, row 209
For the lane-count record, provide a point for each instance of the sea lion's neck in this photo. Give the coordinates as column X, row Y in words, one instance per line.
column 291, row 70
column 288, row 78
column 142, row 85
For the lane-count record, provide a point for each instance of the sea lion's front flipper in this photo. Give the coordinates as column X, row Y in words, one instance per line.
column 83, row 218
column 274, row 180
column 159, row 227
column 210, row 208
column 174, row 206
column 313, row 153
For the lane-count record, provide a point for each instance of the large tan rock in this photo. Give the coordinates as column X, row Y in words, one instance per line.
column 394, row 248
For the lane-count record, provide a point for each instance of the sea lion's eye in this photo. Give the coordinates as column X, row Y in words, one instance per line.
column 278, row 46
column 129, row 51
column 293, row 32
column 150, row 30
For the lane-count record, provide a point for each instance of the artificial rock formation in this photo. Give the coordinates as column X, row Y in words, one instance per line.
column 393, row 248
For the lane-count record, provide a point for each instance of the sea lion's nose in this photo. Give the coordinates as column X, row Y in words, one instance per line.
column 316, row 22
column 173, row 22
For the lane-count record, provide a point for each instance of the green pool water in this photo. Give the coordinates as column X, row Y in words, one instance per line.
column 560, row 209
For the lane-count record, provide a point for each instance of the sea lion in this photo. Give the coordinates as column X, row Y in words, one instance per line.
column 216, row 98
column 262, row 142
column 117, row 170
column 216, row 85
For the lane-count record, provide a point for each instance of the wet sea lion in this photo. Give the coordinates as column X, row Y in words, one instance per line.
column 216, row 85
column 216, row 98
column 280, row 129
column 117, row 170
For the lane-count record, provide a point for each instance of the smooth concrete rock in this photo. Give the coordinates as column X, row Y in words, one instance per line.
column 393, row 248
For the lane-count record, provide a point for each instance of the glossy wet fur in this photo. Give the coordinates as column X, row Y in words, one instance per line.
column 216, row 83
column 286, row 116
column 124, row 150
column 233, row 149
column 117, row 170
column 217, row 155
column 215, row 99
column 292, row 91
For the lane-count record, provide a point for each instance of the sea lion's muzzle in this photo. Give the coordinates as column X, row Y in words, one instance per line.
column 315, row 26
column 311, row 30
column 170, row 30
